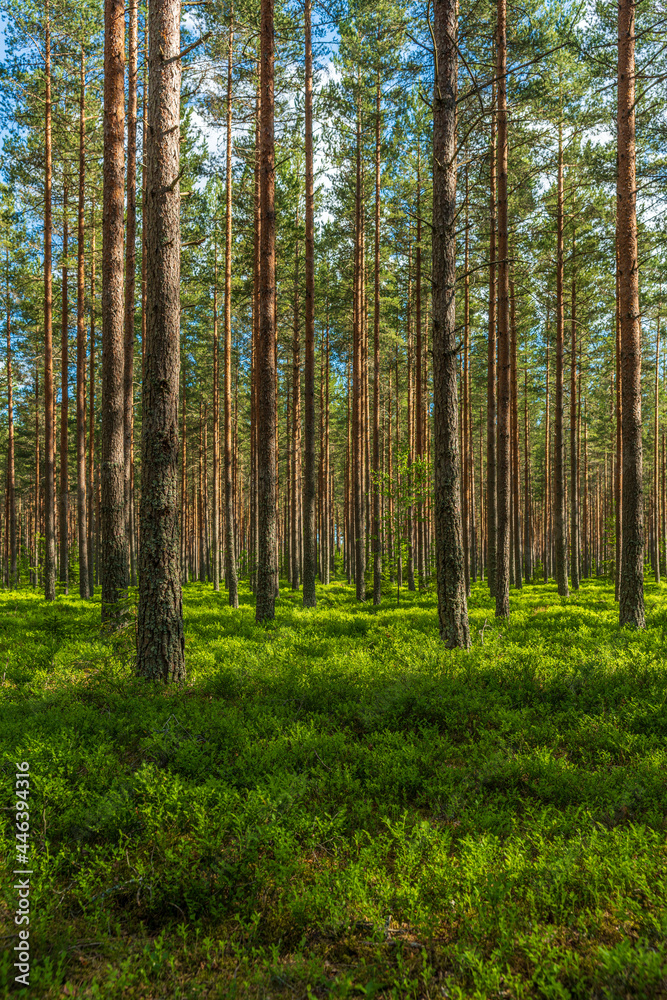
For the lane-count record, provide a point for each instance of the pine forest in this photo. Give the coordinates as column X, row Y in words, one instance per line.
column 333, row 499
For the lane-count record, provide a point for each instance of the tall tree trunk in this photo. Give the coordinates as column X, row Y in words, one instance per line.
column 37, row 520
column 491, row 509
column 215, row 527
column 84, row 578
column 419, row 404
column 410, row 540
column 527, row 534
column 12, row 576
column 230, row 548
column 503, row 422
column 266, row 358
column 63, row 505
column 114, row 540
column 618, row 470
column 310, row 484
column 160, row 643
column 130, row 265
column 49, row 428
column 377, row 550
column 516, row 476
column 663, row 529
column 328, row 507
column 92, row 522
column 184, row 485
column 200, row 501
column 586, row 545
column 560, row 519
column 465, row 492
column 574, row 458
column 547, row 465
column 357, row 390
column 452, row 605
column 656, row 464
column 144, row 142
column 296, row 434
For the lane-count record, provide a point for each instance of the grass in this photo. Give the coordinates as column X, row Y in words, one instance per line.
column 336, row 806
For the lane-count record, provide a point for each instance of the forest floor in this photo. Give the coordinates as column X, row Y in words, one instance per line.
column 337, row 806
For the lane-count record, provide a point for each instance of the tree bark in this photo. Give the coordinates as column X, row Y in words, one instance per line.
column 92, row 523
column 503, row 416
column 491, row 509
column 560, row 519
column 527, row 500
column 114, row 540
column 130, row 265
column 266, row 363
column 297, row 533
column 516, row 475
column 230, row 547
column 631, row 610
column 656, row 464
column 452, row 605
column 377, row 550
column 12, row 575
column 49, row 428
column 357, row 390
column 63, row 505
column 309, row 485
column 215, row 527
column 574, row 458
column 160, row 643
column 419, row 403
column 84, row 578
column 465, row 492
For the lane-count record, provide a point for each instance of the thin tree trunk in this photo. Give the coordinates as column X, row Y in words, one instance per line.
column 49, row 428
column 144, row 140
column 656, row 463
column 491, row 508
column 215, row 528
column 631, row 610
column 503, row 421
column 452, row 605
column 231, row 572
column 63, row 505
column 37, row 521
column 377, row 550
column 309, row 484
column 130, row 265
column 466, row 387
column 12, row 576
column 547, row 466
column 114, row 539
column 266, row 358
column 419, row 440
column 664, row 503
column 587, row 548
column 160, row 643
column 410, row 546
column 200, row 501
column 92, row 522
column 358, row 391
column 560, row 520
column 296, row 433
column 516, row 475
column 527, row 509
column 574, row 459
column 184, row 486
column 84, row 579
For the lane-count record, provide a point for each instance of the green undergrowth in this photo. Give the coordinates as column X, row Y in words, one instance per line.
column 337, row 806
